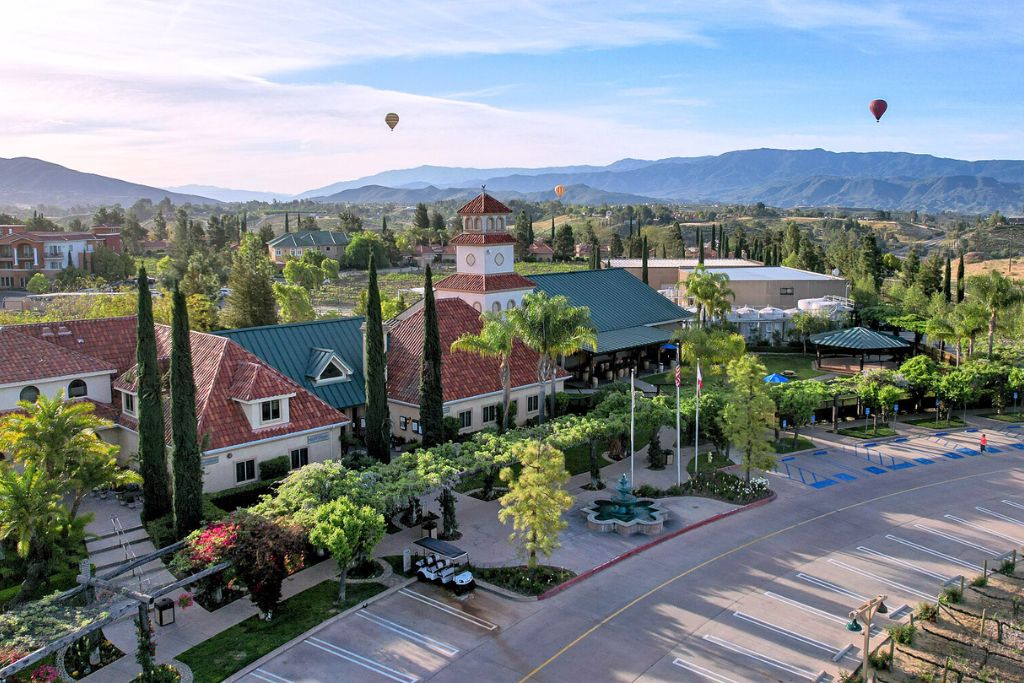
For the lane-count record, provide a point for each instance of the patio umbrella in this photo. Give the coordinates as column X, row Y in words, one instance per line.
column 776, row 378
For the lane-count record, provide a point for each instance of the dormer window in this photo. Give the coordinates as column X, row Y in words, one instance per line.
column 326, row 367
column 128, row 403
column 270, row 411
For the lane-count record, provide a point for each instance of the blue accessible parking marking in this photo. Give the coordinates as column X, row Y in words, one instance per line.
column 842, row 476
column 952, row 456
column 822, row 484
column 901, row 466
column 875, row 470
column 1018, row 446
column 971, row 430
column 993, row 449
column 924, row 461
column 902, row 439
column 792, row 457
column 967, row 451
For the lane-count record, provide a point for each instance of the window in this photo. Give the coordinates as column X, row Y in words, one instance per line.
column 490, row 413
column 416, row 427
column 511, row 304
column 786, row 291
column 29, row 393
column 245, row 471
column 499, row 258
column 470, row 260
column 465, row 419
column 77, row 388
column 403, row 423
column 476, row 305
column 496, row 307
column 270, row 411
column 300, row 457
column 128, row 403
column 532, row 403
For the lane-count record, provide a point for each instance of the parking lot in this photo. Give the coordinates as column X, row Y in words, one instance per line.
column 405, row 637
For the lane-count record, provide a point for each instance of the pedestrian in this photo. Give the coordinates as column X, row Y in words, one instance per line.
column 984, row 442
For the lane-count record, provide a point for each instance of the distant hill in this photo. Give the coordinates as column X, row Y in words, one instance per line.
column 28, row 181
column 379, row 194
column 887, row 180
column 226, row 194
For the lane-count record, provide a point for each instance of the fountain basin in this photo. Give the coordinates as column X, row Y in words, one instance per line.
column 647, row 518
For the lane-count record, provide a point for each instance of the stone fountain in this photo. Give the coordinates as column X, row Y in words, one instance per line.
column 625, row 514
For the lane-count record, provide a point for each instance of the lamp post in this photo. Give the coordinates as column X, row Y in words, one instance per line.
column 865, row 613
column 679, row 467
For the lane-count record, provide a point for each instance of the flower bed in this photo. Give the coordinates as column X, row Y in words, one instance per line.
column 523, row 580
column 715, row 484
column 863, row 432
column 79, row 661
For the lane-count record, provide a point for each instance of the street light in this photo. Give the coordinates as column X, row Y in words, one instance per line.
column 865, row 612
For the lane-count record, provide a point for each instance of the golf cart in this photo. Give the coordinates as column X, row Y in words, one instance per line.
column 442, row 563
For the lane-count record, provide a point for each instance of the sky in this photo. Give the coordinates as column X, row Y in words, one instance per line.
column 288, row 95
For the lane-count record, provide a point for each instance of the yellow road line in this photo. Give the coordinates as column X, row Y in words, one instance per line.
column 738, row 548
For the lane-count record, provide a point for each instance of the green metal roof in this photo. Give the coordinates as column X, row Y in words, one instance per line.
column 859, row 339
column 310, row 238
column 618, row 302
column 302, row 350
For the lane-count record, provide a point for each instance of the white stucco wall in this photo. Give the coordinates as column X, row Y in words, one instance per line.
column 219, row 468
column 485, row 259
column 97, row 388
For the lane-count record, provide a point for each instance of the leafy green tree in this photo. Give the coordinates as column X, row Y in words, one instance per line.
column 552, row 327
column 919, row 374
column 349, row 532
column 673, row 244
column 266, row 233
column 132, row 234
column 616, row 245
column 109, row 265
column 524, row 234
column 261, row 553
column 329, row 267
column 378, row 423
column 31, row 515
column 38, row 284
column 715, row 348
column 350, row 222
column 910, row 267
column 187, row 454
column 796, row 402
column 293, row 304
column 250, row 302
column 496, row 339
column 996, row 294
column 305, row 275
column 200, row 275
column 431, row 394
column 806, row 324
column 536, row 499
column 929, row 278
column 160, row 226
column 357, row 253
column 156, row 500
column 564, row 243
column 749, row 413
column 421, row 219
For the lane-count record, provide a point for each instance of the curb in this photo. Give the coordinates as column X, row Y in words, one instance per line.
column 504, row 592
column 238, row 675
column 639, row 549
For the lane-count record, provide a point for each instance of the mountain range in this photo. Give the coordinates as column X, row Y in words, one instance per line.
column 784, row 178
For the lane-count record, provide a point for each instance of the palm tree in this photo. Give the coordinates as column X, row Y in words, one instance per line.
column 995, row 293
column 496, row 340
column 31, row 515
column 711, row 292
column 963, row 323
column 552, row 327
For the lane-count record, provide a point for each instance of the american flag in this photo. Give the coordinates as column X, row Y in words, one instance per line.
column 700, row 379
column 678, row 377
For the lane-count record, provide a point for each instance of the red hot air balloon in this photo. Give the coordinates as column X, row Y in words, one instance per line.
column 877, row 108
column 560, row 190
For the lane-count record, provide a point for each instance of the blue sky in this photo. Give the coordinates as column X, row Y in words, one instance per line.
column 286, row 96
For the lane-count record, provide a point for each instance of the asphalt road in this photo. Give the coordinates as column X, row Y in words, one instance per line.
column 761, row 596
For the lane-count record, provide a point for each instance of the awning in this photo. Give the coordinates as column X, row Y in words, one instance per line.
column 443, row 548
column 631, row 338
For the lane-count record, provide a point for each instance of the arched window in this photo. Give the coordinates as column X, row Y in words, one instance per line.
column 511, row 304
column 496, row 307
column 77, row 388
column 29, row 393
column 490, row 224
column 476, row 223
column 477, row 306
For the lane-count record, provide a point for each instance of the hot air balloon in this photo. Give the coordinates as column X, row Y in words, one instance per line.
column 559, row 190
column 392, row 120
column 877, row 108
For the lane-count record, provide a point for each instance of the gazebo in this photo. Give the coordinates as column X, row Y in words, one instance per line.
column 860, row 341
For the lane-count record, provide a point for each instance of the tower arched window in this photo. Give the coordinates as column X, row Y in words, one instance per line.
column 29, row 393
column 490, row 224
column 77, row 388
column 496, row 307
column 511, row 304
column 476, row 224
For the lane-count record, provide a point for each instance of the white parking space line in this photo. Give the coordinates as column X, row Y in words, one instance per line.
column 884, row 580
column 365, row 662
column 806, row 608
column 799, row 637
column 1012, row 504
column 997, row 515
column 701, row 671
column 984, row 529
column 764, row 659
column 269, row 677
column 407, row 633
column 955, row 539
column 828, row 585
column 934, row 553
column 436, row 604
column 902, row 563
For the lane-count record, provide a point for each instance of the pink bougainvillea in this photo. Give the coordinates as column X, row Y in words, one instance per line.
column 44, row 674
column 211, row 545
column 185, row 600
column 9, row 655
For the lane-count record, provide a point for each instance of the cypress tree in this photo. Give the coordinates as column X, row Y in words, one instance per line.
column 552, row 228
column 960, row 278
column 947, row 280
column 188, row 468
column 286, row 228
column 643, row 260
column 713, row 231
column 431, row 402
column 378, row 424
column 700, row 247
column 156, row 500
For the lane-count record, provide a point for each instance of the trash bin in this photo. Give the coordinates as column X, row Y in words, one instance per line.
column 163, row 606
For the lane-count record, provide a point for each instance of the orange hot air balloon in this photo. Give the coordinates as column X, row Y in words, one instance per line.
column 877, row 108
column 392, row 120
column 559, row 190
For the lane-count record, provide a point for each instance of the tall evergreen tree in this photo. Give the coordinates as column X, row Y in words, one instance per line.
column 616, row 246
column 700, row 247
column 250, row 302
column 287, row 229
column 421, row 220
column 643, row 260
column 552, row 228
column 378, row 424
column 947, row 283
column 523, row 234
column 187, row 455
column 960, row 278
column 431, row 401
column 713, row 231
column 244, row 227
column 152, row 445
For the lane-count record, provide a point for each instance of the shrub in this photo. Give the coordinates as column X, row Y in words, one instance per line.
column 880, row 659
column 231, row 499
column 951, row 595
column 275, row 467
column 902, row 634
column 1008, row 567
column 979, row 581
column 655, row 453
column 926, row 611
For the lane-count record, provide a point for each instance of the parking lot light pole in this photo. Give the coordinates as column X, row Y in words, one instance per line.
column 865, row 613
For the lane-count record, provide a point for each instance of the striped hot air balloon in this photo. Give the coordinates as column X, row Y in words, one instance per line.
column 559, row 190
column 392, row 120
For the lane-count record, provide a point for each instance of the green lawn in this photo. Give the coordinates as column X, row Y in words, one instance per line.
column 938, row 424
column 528, row 268
column 717, row 462
column 1006, row 417
column 785, row 444
column 863, row 432
column 577, row 458
column 797, row 362
column 225, row 653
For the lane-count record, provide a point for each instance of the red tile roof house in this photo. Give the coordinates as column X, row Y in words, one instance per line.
column 24, row 253
column 248, row 412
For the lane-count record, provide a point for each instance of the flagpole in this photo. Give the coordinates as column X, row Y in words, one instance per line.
column 632, row 427
column 679, row 466
column 696, row 425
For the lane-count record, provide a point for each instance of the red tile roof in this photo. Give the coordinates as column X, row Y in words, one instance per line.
column 467, row 282
column 24, row 358
column 111, row 340
column 540, row 248
column 462, row 374
column 483, row 238
column 255, row 381
column 483, row 203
